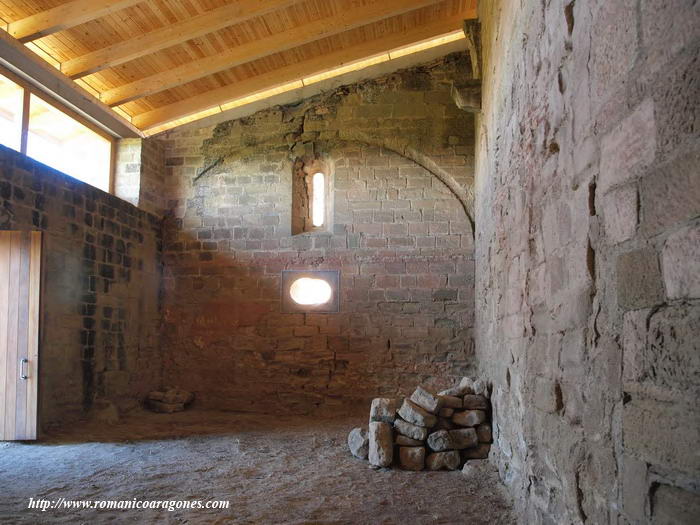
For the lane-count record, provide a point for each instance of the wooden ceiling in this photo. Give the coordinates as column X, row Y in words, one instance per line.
column 161, row 60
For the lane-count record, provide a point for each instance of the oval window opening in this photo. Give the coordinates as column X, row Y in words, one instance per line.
column 308, row 292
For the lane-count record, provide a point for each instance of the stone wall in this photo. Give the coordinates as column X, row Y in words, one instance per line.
column 101, row 278
column 400, row 237
column 587, row 256
column 139, row 174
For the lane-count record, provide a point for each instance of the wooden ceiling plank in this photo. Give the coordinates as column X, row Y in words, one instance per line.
column 170, row 35
column 294, row 37
column 298, row 70
column 64, row 16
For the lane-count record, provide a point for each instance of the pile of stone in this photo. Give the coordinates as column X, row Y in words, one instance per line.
column 427, row 431
column 168, row 401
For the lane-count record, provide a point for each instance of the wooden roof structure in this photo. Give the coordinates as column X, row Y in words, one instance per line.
column 157, row 61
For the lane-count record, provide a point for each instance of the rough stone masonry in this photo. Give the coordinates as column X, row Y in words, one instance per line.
column 587, row 256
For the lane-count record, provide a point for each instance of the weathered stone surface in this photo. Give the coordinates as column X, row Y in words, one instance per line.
column 405, row 441
column 449, row 460
column 463, row 438
column 412, row 458
column 631, row 144
column 484, row 433
column 639, row 279
column 440, row 441
column 670, row 194
column 620, row 213
column 410, row 430
column 674, row 506
column 383, row 409
column 446, row 412
column 426, row 400
column 416, row 415
column 476, row 402
column 546, row 395
column 381, row 444
column 635, row 488
column 358, row 443
column 680, row 260
column 451, row 401
column 468, row 471
column 469, row 418
column 481, row 451
column 661, row 433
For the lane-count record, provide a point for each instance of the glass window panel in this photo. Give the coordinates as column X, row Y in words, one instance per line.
column 319, row 200
column 11, row 101
column 65, row 144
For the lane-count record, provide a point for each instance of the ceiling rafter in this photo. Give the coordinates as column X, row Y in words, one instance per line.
column 64, row 16
column 291, row 38
column 296, row 71
column 170, row 35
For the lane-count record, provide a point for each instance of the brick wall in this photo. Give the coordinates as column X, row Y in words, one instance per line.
column 400, row 238
column 100, row 313
column 587, row 291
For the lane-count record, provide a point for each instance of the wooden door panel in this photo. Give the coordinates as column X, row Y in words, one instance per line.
column 20, row 277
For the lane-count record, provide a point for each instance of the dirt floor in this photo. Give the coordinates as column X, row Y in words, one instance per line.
column 271, row 470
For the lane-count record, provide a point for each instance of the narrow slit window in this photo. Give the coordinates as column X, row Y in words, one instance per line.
column 319, row 199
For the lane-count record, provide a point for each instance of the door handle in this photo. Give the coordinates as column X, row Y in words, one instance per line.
column 22, row 371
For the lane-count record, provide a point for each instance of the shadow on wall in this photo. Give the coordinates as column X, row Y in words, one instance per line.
column 402, row 243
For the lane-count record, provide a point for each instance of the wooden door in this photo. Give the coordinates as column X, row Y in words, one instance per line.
column 20, row 278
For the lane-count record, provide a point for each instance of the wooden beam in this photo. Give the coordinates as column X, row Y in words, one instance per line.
column 63, row 17
column 170, row 35
column 294, row 37
column 297, row 71
column 28, row 66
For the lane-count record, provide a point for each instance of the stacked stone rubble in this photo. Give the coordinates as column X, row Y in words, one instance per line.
column 427, row 431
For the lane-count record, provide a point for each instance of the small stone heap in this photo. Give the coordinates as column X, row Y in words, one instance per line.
column 169, row 400
column 427, row 431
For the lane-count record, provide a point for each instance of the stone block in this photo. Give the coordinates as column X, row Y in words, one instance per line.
column 410, row 430
column 484, row 433
column 469, row 418
column 620, row 214
column 446, row 412
column 464, row 438
column 440, row 441
column 381, row 444
column 630, row 145
column 481, row 451
column 444, row 424
column 638, row 279
column 662, row 433
column 674, row 506
column 475, row 402
column 680, row 262
column 358, row 443
column 416, row 415
column 546, row 395
column 412, row 458
column 635, row 488
column 465, row 386
column 426, row 400
column 670, row 195
column 383, row 409
column 451, row 401
column 449, row 460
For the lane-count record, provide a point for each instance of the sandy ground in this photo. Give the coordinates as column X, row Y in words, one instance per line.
column 271, row 470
